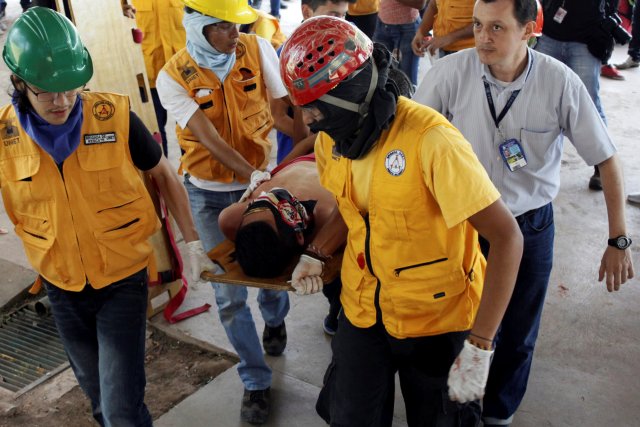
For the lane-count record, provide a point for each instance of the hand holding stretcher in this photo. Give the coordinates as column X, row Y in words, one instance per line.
column 224, row 256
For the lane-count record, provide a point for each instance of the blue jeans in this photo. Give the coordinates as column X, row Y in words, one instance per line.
column 103, row 333
column 275, row 8
column 577, row 57
column 634, row 44
column 234, row 312
column 397, row 38
column 517, row 335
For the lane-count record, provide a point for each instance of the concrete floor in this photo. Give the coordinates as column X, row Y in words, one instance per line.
column 585, row 370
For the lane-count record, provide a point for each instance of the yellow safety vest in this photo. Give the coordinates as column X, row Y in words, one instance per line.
column 364, row 7
column 164, row 35
column 239, row 110
column 429, row 276
column 453, row 15
column 93, row 224
column 268, row 27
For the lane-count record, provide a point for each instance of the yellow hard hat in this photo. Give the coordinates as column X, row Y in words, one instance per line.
column 236, row 11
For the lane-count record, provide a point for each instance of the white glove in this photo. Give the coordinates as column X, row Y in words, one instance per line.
column 468, row 374
column 306, row 276
column 257, row 178
column 199, row 260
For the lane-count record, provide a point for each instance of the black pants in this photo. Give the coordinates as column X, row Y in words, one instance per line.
column 359, row 384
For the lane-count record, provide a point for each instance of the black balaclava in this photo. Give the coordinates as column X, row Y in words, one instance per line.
column 355, row 133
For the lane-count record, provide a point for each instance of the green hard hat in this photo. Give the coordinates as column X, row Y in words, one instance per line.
column 44, row 49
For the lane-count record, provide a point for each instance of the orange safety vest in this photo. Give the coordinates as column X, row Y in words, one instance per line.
column 164, row 35
column 92, row 225
column 430, row 276
column 239, row 110
column 453, row 15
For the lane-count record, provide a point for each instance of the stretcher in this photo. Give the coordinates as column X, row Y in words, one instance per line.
column 223, row 255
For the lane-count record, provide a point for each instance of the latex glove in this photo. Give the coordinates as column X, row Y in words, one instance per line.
column 257, row 178
column 199, row 260
column 306, row 276
column 468, row 374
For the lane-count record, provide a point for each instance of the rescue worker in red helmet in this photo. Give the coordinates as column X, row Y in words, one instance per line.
column 70, row 182
column 412, row 195
column 217, row 90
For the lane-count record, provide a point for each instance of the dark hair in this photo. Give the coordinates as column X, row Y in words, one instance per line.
column 19, row 96
column 262, row 252
column 524, row 10
column 314, row 4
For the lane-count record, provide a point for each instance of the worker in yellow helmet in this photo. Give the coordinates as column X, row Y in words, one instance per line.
column 216, row 88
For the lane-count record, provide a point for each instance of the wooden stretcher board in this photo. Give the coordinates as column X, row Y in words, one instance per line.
column 224, row 256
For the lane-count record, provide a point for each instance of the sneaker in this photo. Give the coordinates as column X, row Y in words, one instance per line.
column 255, row 406
column 629, row 63
column 610, row 72
column 283, row 6
column 634, row 198
column 594, row 181
column 274, row 340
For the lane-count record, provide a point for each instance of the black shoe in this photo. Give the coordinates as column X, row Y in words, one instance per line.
column 594, row 182
column 283, row 6
column 255, row 406
column 274, row 340
column 330, row 325
column 3, row 10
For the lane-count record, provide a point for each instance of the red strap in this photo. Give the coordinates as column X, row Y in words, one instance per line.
column 176, row 301
column 178, row 298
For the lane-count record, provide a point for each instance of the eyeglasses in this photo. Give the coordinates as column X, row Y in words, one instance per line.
column 225, row 26
column 51, row 96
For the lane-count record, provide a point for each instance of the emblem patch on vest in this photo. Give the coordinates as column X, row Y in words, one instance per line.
column 187, row 72
column 103, row 110
column 395, row 162
column 8, row 133
column 241, row 50
column 99, row 138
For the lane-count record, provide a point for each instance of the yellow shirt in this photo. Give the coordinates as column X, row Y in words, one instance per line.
column 410, row 236
column 454, row 15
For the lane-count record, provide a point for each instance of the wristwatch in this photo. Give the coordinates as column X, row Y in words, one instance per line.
column 621, row 242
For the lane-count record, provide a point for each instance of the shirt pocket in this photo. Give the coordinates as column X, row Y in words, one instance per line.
column 538, row 147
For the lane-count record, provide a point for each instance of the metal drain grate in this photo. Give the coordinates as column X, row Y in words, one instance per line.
column 30, row 350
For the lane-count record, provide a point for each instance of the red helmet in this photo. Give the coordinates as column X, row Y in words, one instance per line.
column 321, row 53
column 537, row 32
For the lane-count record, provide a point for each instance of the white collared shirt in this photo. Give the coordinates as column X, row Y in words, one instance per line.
column 552, row 103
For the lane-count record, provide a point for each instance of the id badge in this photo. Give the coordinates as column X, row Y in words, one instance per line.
column 513, row 154
column 560, row 15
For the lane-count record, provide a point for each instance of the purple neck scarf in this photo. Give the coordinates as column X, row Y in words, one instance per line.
column 57, row 140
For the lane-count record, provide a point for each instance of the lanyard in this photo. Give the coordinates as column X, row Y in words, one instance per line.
column 492, row 108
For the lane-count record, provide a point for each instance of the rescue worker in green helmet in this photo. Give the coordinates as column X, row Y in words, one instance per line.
column 70, row 183
column 217, row 89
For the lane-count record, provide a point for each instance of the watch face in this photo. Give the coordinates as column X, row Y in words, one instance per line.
column 623, row 242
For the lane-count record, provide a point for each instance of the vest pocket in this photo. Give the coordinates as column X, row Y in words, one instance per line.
column 434, row 305
column 37, row 246
column 122, row 246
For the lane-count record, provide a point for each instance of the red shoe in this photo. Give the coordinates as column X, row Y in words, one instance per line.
column 610, row 72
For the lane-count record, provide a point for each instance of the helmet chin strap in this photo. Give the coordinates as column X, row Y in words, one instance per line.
column 363, row 108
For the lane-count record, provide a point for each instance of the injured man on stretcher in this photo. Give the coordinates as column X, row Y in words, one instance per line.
column 279, row 222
